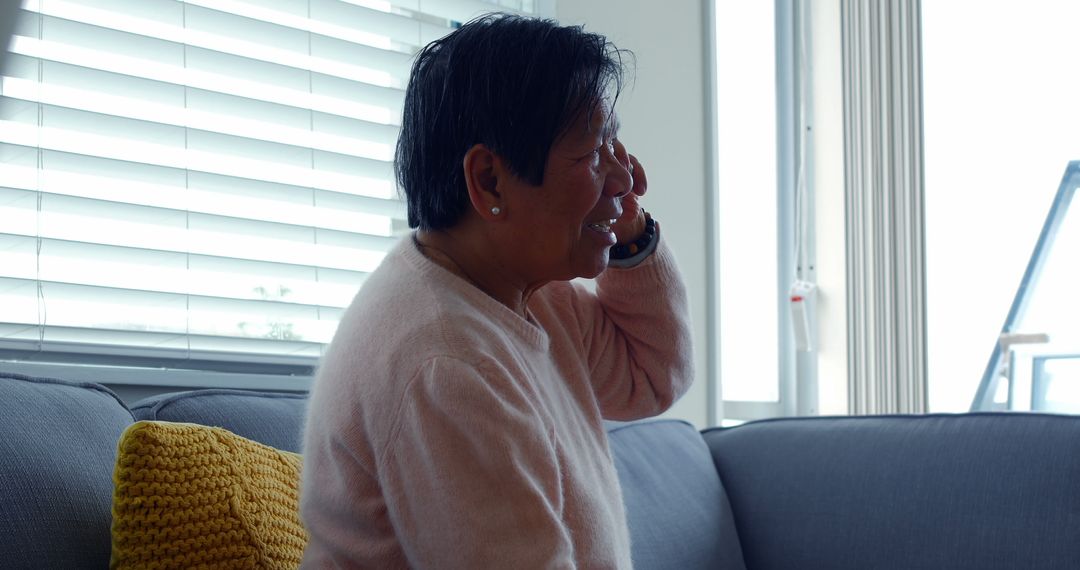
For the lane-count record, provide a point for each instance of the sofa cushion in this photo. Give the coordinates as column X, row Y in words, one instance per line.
column 978, row 491
column 271, row 418
column 676, row 507
column 189, row 495
column 57, row 451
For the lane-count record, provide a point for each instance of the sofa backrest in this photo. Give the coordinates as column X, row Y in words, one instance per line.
column 57, row 453
column 271, row 418
column 676, row 507
column 980, row 491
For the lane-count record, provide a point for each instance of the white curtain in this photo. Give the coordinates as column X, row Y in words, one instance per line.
column 882, row 74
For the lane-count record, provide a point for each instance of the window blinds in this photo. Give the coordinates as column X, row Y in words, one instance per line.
column 203, row 181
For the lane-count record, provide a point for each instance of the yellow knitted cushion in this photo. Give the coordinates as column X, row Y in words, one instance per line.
column 188, row 496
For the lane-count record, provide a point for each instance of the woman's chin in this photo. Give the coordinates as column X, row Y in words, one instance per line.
column 595, row 268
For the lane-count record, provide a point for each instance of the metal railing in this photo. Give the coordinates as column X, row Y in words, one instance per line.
column 1002, row 365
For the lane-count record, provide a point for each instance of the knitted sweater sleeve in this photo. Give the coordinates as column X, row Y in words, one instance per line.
column 470, row 474
column 636, row 330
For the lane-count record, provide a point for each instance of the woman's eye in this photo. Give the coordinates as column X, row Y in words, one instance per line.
column 609, row 145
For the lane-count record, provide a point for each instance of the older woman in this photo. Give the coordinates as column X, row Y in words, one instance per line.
column 456, row 421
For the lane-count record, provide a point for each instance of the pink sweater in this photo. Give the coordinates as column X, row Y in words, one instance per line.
column 445, row 431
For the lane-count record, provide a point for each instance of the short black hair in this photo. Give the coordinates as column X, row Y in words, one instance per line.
column 511, row 83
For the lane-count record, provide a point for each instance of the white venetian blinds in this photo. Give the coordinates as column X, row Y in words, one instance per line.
column 200, row 181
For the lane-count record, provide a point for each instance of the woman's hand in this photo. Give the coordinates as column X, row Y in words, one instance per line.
column 631, row 224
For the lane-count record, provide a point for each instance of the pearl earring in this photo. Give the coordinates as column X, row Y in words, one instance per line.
column 495, row 211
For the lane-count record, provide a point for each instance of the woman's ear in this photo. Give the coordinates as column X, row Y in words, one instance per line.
column 482, row 169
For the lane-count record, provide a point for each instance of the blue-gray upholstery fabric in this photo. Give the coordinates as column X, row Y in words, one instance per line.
column 676, row 507
column 57, row 454
column 271, row 418
column 970, row 491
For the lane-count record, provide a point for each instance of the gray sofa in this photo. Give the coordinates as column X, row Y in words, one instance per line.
column 978, row 491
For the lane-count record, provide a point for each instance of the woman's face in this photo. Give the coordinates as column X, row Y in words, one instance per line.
column 562, row 228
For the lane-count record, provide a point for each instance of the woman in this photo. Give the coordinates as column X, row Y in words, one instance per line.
column 456, row 420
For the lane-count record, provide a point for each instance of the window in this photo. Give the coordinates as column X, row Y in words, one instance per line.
column 760, row 48
column 200, row 184
column 747, row 168
column 1000, row 126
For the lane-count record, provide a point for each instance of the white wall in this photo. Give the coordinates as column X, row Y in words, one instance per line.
column 664, row 123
